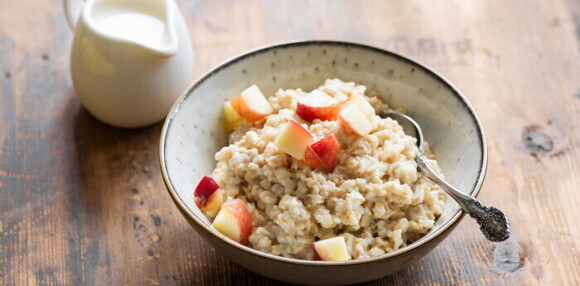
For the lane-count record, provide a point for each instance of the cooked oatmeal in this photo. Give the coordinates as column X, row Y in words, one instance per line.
column 373, row 197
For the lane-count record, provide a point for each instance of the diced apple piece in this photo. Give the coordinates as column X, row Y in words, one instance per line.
column 234, row 221
column 207, row 195
column 332, row 249
column 294, row 139
column 317, row 105
column 363, row 105
column 311, row 159
column 231, row 117
column 322, row 153
column 353, row 119
column 251, row 104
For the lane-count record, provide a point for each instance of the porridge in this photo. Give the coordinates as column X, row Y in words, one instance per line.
column 318, row 176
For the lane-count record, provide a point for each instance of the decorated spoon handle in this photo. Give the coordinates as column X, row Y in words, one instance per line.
column 493, row 222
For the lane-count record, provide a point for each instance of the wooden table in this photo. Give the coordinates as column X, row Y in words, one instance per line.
column 82, row 203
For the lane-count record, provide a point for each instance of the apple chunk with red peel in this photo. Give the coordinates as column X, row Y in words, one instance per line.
column 251, row 104
column 231, row 117
column 364, row 106
column 317, row 105
column 208, row 195
column 332, row 249
column 322, row 153
column 354, row 120
column 234, row 221
column 294, row 139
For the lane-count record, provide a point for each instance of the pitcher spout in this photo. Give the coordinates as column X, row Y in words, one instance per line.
column 170, row 42
column 148, row 24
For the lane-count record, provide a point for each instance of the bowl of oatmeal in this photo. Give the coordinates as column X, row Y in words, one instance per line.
column 280, row 160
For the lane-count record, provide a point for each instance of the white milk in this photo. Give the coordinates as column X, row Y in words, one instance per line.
column 133, row 26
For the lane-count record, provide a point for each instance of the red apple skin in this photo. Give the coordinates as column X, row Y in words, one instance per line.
column 327, row 149
column 324, row 113
column 243, row 218
column 206, row 188
column 311, row 159
column 322, row 153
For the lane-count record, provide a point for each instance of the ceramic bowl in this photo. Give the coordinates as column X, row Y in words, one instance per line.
column 193, row 133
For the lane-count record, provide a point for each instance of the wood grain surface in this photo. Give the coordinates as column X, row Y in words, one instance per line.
column 82, row 203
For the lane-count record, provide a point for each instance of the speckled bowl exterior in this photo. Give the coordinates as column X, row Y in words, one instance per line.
column 193, row 133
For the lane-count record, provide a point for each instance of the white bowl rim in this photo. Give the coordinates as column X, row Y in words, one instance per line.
column 296, row 43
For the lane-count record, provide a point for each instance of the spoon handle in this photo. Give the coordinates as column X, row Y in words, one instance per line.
column 493, row 222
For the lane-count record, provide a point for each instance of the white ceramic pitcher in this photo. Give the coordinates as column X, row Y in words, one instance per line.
column 130, row 59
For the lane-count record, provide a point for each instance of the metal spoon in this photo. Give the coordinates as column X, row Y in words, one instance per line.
column 493, row 222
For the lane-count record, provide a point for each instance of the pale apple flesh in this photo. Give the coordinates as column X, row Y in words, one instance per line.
column 354, row 120
column 322, row 153
column 363, row 105
column 231, row 117
column 332, row 249
column 294, row 139
column 214, row 202
column 207, row 195
column 317, row 105
column 251, row 104
column 234, row 221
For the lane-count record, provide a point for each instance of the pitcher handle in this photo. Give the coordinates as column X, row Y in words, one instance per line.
column 72, row 9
